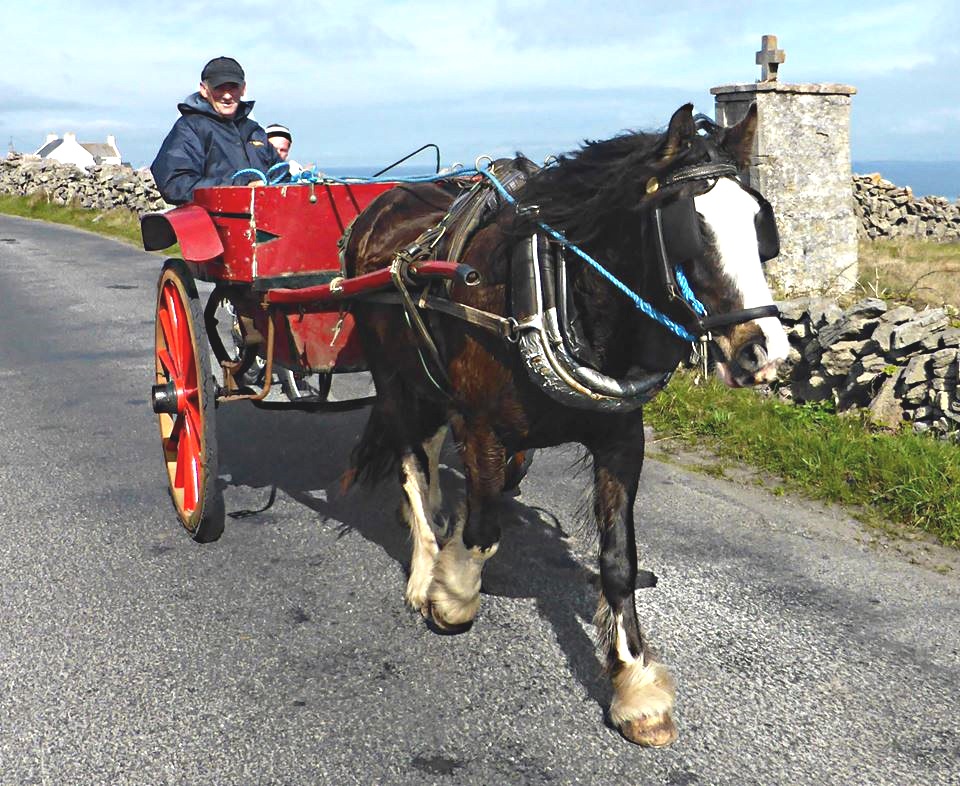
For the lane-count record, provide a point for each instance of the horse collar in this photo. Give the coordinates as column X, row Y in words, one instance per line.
column 552, row 349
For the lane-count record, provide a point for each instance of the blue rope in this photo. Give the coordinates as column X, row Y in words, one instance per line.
column 283, row 166
column 687, row 292
column 313, row 176
column 265, row 176
column 639, row 302
column 249, row 171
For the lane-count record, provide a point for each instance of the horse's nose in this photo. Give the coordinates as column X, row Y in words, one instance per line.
column 755, row 362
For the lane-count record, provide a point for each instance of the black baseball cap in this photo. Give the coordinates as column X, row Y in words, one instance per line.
column 221, row 70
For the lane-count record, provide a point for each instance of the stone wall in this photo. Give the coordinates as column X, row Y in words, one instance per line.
column 885, row 210
column 899, row 364
column 99, row 188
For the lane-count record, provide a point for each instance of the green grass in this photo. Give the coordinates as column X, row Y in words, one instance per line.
column 118, row 223
column 904, row 478
column 918, row 272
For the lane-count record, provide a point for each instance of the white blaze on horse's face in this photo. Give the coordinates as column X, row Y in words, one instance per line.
column 729, row 212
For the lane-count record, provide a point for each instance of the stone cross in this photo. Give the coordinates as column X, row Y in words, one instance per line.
column 769, row 58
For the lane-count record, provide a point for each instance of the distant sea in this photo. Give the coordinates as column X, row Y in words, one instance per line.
column 926, row 178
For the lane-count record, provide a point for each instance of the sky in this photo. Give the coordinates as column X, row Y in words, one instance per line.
column 362, row 83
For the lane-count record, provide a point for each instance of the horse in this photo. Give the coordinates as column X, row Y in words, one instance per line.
column 553, row 346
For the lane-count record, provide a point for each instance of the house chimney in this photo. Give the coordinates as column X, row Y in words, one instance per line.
column 70, row 136
column 51, row 137
column 112, row 141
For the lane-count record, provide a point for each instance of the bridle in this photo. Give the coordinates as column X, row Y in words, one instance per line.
column 676, row 228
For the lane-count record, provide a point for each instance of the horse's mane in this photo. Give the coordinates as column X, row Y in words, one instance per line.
column 587, row 189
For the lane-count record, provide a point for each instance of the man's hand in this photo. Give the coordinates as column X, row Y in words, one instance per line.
column 254, row 183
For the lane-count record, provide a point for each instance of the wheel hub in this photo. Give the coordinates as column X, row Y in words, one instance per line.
column 167, row 399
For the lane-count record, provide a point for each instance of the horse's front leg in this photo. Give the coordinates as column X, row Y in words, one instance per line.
column 643, row 689
column 419, row 476
column 454, row 594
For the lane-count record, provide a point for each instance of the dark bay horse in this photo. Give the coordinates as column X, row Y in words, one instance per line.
column 564, row 354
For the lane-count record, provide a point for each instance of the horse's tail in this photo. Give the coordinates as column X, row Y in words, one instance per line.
column 375, row 457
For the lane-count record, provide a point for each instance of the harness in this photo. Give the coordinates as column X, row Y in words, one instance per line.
column 545, row 324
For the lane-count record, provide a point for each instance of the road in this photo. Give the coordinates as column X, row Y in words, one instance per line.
column 807, row 650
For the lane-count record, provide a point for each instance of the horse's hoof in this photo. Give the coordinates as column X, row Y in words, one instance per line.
column 438, row 625
column 449, row 615
column 657, row 731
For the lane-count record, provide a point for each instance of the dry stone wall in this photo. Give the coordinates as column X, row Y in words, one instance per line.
column 99, row 188
column 885, row 210
column 899, row 364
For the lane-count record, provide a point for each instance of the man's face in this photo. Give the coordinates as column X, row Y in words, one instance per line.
column 283, row 146
column 223, row 98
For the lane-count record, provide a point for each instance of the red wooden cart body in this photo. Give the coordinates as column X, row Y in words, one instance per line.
column 275, row 237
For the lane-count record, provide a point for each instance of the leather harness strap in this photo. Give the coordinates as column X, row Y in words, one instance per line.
column 505, row 327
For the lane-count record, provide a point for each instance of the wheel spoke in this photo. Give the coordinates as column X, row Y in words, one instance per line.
column 167, row 363
column 194, row 423
column 170, row 309
column 175, row 431
column 190, row 445
column 180, row 326
column 170, row 339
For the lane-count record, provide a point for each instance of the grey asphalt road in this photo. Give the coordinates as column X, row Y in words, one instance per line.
column 806, row 650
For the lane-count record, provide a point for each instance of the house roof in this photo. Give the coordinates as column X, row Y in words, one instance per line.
column 48, row 148
column 99, row 149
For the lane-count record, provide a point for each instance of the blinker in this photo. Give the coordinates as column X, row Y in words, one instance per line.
column 768, row 238
column 679, row 237
column 679, row 240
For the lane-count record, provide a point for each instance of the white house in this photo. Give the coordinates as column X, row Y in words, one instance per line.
column 67, row 150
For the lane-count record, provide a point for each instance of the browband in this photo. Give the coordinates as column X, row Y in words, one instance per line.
column 704, row 171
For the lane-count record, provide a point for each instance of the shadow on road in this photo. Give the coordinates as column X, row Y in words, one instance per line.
column 303, row 455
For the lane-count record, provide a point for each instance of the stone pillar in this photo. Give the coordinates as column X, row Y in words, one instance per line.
column 801, row 163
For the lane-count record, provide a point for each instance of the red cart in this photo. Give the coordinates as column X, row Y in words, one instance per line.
column 272, row 254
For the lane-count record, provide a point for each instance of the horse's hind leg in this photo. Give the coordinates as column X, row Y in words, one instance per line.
column 643, row 689
column 419, row 476
column 454, row 594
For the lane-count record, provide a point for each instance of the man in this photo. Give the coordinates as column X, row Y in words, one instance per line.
column 281, row 138
column 213, row 138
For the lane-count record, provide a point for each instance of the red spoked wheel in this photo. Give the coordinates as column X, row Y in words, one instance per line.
column 184, row 399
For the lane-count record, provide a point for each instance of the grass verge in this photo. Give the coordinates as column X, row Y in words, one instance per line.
column 903, row 478
column 118, row 223
column 920, row 273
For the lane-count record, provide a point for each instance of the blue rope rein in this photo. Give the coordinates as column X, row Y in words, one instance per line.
column 639, row 302
column 312, row 175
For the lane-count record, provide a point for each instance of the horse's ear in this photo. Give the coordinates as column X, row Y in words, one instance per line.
column 738, row 139
column 679, row 133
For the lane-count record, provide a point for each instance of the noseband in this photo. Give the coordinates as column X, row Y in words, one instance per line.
column 676, row 228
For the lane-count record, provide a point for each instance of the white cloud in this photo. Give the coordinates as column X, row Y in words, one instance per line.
column 429, row 65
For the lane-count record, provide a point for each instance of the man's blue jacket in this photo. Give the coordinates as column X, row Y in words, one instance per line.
column 202, row 149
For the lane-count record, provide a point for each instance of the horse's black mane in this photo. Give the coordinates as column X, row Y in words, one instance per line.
column 588, row 188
